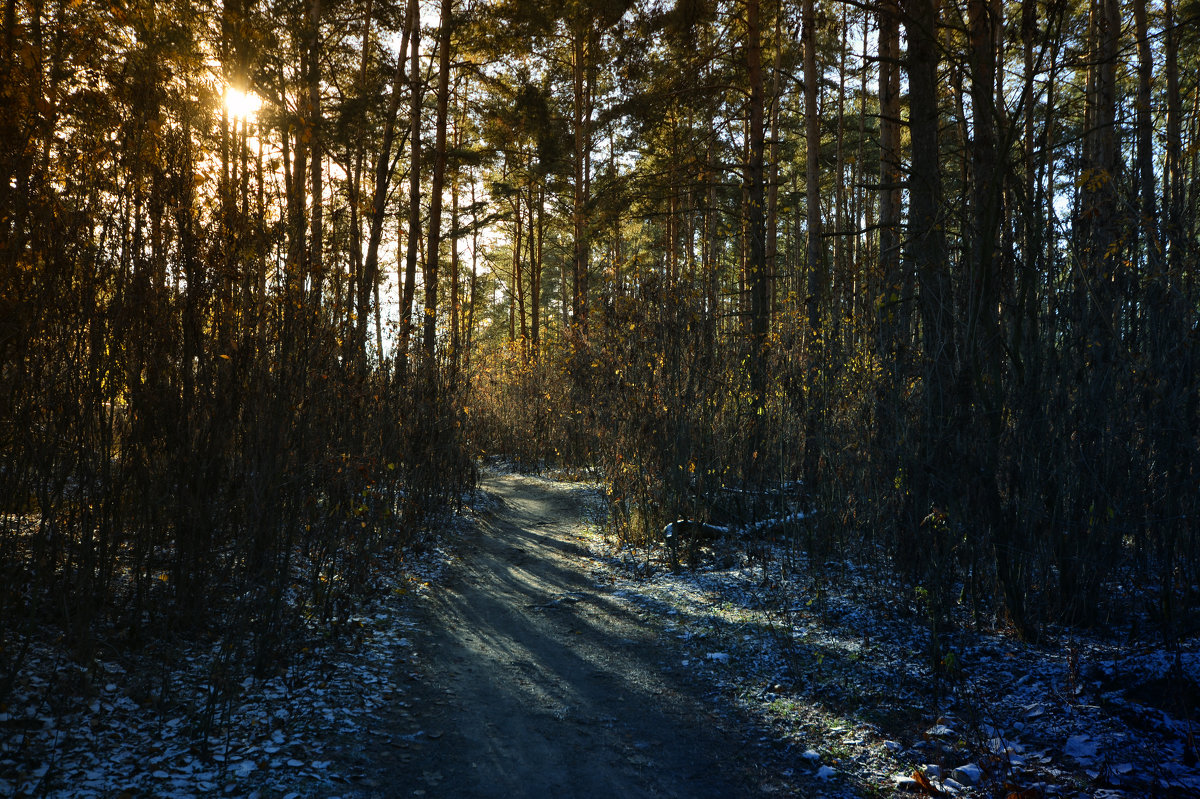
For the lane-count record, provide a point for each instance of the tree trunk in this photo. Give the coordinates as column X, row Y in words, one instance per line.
column 355, row 345
column 382, row 178
column 926, row 250
column 316, row 266
column 711, row 269
column 1147, row 208
column 537, row 198
column 818, row 268
column 518, row 278
column 455, row 312
column 862, row 208
column 296, row 179
column 772, row 178
column 843, row 304
column 414, row 190
column 1100, row 148
column 1173, row 162
column 433, row 256
column 980, row 390
column 893, row 330
column 980, row 334
column 756, row 260
column 472, row 292
column 582, row 68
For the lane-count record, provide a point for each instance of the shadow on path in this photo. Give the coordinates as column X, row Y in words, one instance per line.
column 540, row 684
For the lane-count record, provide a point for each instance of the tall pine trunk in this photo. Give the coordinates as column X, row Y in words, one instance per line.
column 756, row 260
column 893, row 328
column 433, row 255
column 582, row 78
column 412, row 245
column 316, row 261
column 817, row 263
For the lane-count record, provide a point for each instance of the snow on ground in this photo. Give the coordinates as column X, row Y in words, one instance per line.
column 126, row 726
column 841, row 678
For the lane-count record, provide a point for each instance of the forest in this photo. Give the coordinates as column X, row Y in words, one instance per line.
column 276, row 274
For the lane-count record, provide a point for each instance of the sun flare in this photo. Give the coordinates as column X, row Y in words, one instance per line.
column 242, row 105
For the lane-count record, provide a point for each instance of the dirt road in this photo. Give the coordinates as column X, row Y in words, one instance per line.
column 538, row 683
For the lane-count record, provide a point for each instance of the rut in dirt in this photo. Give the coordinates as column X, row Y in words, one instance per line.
column 540, row 683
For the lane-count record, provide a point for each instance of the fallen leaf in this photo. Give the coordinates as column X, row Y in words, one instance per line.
column 926, row 786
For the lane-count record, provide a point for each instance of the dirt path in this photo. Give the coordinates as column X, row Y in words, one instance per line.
column 538, row 683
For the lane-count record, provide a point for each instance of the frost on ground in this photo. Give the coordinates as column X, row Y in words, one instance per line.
column 836, row 669
column 829, row 662
column 126, row 725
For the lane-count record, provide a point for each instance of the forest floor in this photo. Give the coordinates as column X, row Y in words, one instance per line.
column 525, row 653
column 559, row 664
